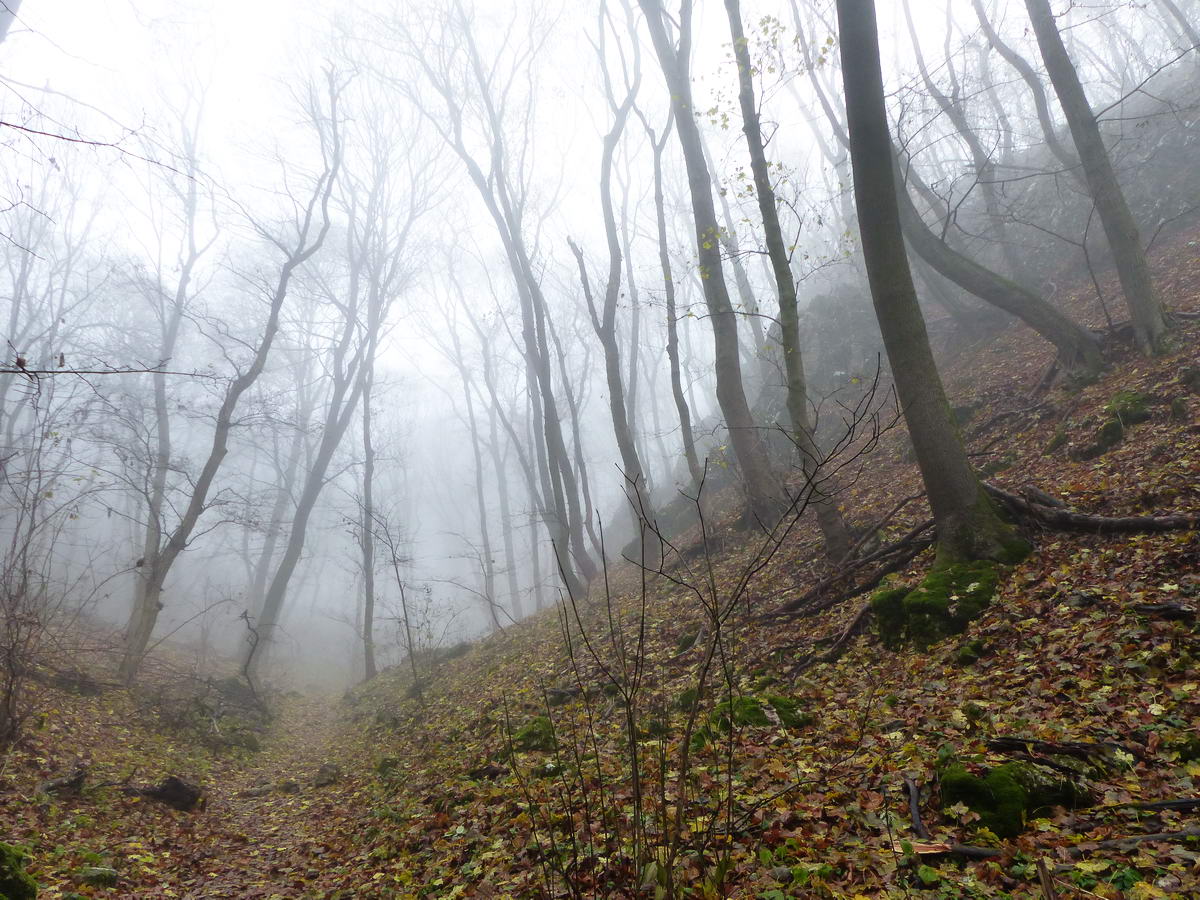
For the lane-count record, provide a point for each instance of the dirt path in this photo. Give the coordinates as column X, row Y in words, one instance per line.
column 268, row 831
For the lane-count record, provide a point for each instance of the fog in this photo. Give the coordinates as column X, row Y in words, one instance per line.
column 300, row 371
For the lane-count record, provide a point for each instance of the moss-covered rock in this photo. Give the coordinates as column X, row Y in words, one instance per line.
column 1107, row 436
column 741, row 711
column 1057, row 441
column 1129, row 407
column 15, row 882
column 97, row 876
column 998, row 797
column 1007, row 796
column 789, row 711
column 948, row 599
column 535, row 735
column 687, row 641
column 970, row 652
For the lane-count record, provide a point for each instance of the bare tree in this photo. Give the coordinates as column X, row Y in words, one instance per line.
column 829, row 517
column 968, row 526
column 309, row 230
column 1149, row 319
column 761, row 490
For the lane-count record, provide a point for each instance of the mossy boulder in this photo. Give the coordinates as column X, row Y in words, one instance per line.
column 1129, row 407
column 1007, row 796
column 971, row 652
column 789, row 711
column 535, row 735
column 1107, row 436
column 1058, row 440
column 741, row 711
column 97, row 876
column 943, row 604
column 687, row 641
column 15, row 882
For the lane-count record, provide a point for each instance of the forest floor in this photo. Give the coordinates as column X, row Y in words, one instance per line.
column 1091, row 647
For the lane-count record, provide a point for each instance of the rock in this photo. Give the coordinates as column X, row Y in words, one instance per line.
column 943, row 604
column 289, row 786
column 489, row 771
column 15, row 882
column 536, row 734
column 97, row 876
column 174, row 792
column 1129, row 407
column 326, row 775
column 261, row 789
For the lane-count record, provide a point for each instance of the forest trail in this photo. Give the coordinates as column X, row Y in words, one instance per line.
column 271, row 827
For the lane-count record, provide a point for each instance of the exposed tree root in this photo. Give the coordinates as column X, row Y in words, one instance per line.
column 1060, row 519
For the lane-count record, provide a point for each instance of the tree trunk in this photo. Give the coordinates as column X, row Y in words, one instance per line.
column 315, row 216
column 664, row 261
column 1078, row 348
column 761, row 491
column 367, row 525
column 968, row 526
column 824, row 487
column 1149, row 320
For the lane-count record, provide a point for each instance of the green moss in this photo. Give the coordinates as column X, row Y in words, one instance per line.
column 15, row 882
column 744, row 710
column 888, row 608
column 970, row 652
column 998, row 798
column 1057, row 441
column 1107, row 436
column 1006, row 796
column 536, row 734
column 98, row 876
column 789, row 712
column 687, row 641
column 948, row 599
column 1129, row 407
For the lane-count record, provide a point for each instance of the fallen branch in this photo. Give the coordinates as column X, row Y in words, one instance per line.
column 901, row 551
column 1068, row 520
column 1087, row 751
column 1130, row 841
column 839, row 646
column 939, row 849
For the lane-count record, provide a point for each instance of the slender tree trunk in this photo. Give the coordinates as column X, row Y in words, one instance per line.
column 968, row 526
column 824, row 487
column 1078, row 348
column 500, row 467
column 487, row 565
column 367, row 524
column 761, row 490
column 1173, row 13
column 664, row 260
column 1149, row 320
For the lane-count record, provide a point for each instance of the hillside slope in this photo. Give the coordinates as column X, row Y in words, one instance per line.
column 512, row 764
